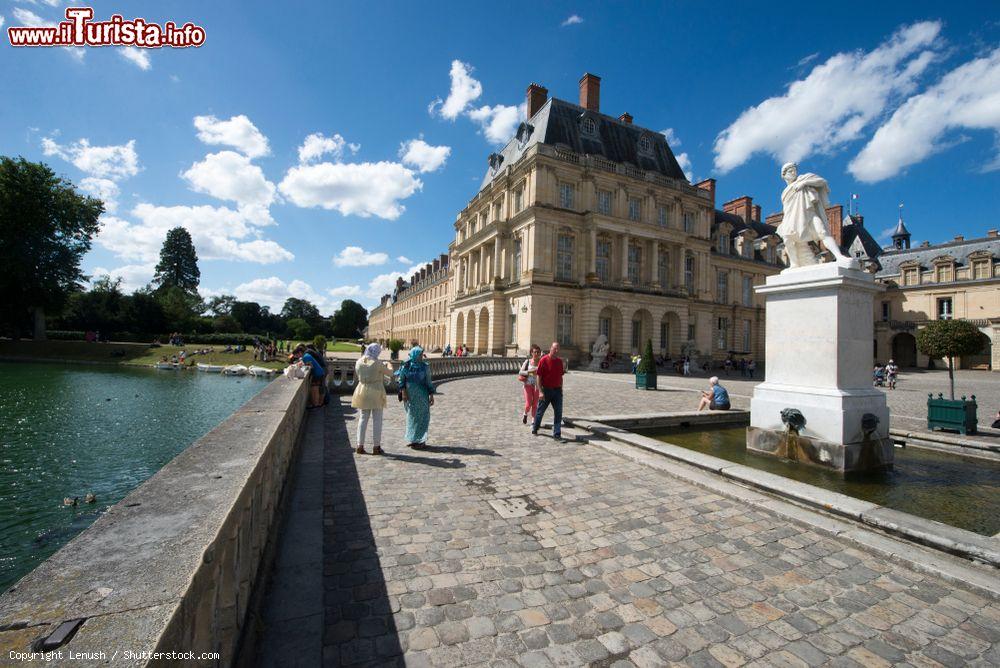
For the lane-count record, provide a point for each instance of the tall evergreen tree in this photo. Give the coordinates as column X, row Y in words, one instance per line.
column 45, row 229
column 349, row 320
column 178, row 265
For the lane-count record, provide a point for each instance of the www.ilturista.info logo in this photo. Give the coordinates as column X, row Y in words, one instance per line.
column 79, row 30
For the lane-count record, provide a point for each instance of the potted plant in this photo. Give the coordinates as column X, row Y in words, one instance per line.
column 645, row 373
column 950, row 339
column 394, row 345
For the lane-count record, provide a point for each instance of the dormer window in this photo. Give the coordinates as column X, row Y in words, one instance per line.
column 589, row 126
column 645, row 144
column 524, row 131
column 495, row 160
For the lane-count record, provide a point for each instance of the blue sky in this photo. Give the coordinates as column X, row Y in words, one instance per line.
column 404, row 101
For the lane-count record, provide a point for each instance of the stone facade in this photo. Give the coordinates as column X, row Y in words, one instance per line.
column 584, row 226
column 956, row 279
column 417, row 310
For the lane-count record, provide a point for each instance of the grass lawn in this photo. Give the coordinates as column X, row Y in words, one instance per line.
column 154, row 355
column 122, row 353
column 343, row 347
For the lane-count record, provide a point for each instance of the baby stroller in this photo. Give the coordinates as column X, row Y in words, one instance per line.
column 879, row 377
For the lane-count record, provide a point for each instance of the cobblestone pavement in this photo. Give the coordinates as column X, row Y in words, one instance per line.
column 606, row 562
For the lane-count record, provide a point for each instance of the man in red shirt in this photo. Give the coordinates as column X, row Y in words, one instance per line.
column 550, row 373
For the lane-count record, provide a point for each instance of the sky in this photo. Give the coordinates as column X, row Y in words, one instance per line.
column 320, row 150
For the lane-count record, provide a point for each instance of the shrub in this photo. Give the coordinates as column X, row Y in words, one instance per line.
column 319, row 342
column 949, row 339
column 647, row 364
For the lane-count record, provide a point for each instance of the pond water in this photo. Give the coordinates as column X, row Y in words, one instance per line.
column 66, row 430
column 960, row 491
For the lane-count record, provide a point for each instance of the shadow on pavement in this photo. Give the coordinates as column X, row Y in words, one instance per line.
column 358, row 625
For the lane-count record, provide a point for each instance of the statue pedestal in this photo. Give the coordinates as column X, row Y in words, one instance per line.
column 818, row 346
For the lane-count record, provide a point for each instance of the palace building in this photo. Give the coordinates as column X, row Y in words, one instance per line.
column 417, row 310
column 585, row 224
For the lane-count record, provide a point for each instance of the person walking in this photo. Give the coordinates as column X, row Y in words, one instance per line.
column 528, row 375
column 550, row 378
column 417, row 386
column 369, row 396
column 751, row 367
column 891, row 372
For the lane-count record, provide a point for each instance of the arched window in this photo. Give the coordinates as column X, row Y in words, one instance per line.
column 645, row 145
column 589, row 126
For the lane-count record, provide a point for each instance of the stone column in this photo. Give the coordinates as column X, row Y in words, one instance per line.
column 625, row 245
column 654, row 265
column 497, row 252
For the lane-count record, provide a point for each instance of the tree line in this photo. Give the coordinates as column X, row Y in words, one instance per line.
column 46, row 227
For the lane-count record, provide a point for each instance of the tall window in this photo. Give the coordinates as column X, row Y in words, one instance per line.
column 688, row 221
column 722, row 333
column 747, row 248
column 604, row 327
column 723, row 243
column 664, row 342
column 910, row 276
column 981, row 269
column 663, row 269
column 944, row 311
column 513, row 329
column 603, row 263
column 564, row 258
column 604, row 202
column 564, row 324
column 566, row 193
column 496, row 210
column 691, row 332
column 515, row 262
column 943, row 273
column 634, row 208
column 661, row 216
column 746, row 336
column 885, row 311
column 636, row 334
column 634, row 262
column 748, row 290
column 689, row 274
column 518, row 198
column 645, row 145
column 722, row 286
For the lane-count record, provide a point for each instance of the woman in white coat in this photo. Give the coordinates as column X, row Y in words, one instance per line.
column 369, row 396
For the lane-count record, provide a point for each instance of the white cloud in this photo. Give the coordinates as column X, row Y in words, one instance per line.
column 966, row 97
column 572, row 20
column 103, row 162
column 685, row 163
column 344, row 291
column 805, row 60
column 464, row 90
column 134, row 276
column 1, row 21
column 273, row 291
column 363, row 189
column 355, row 256
column 219, row 233
column 105, row 190
column 833, row 104
column 385, row 283
column 228, row 175
column 316, row 146
column 404, row 259
column 499, row 122
column 238, row 132
column 672, row 139
column 426, row 158
column 136, row 56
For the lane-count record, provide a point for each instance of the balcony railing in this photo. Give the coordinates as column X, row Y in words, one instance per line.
column 341, row 378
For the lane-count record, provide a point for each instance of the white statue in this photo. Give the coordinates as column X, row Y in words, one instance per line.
column 804, row 201
column 598, row 352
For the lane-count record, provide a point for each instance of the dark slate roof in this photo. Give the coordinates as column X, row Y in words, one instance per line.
column 853, row 230
column 960, row 250
column 558, row 124
column 762, row 229
column 901, row 230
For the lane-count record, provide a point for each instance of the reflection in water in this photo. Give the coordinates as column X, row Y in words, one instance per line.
column 959, row 491
column 66, row 430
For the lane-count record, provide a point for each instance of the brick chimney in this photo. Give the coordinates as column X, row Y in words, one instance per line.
column 756, row 212
column 590, row 92
column 709, row 185
column 437, row 265
column 444, row 259
column 536, row 98
column 774, row 219
column 399, row 282
column 959, row 237
column 992, row 234
column 741, row 206
column 835, row 215
column 626, row 118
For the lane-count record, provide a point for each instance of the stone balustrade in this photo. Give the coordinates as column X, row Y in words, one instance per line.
column 341, row 379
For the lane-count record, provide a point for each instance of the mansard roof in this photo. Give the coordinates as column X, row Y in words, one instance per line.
column 738, row 224
column 891, row 259
column 560, row 124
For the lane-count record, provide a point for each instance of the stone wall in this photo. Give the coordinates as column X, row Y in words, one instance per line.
column 171, row 567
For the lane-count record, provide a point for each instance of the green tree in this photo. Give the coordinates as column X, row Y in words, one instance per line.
column 45, row 229
column 299, row 329
column 950, row 339
column 221, row 305
column 180, row 308
column 178, row 265
column 349, row 320
column 142, row 313
column 301, row 308
column 100, row 308
column 226, row 324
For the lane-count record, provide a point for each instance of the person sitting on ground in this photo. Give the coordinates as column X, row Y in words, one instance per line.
column 716, row 398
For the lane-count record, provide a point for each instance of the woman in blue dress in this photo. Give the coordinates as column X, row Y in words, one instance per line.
column 418, row 396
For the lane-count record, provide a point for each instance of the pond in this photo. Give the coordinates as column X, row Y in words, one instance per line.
column 959, row 491
column 70, row 430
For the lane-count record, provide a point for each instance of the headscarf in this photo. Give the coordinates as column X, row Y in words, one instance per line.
column 415, row 354
column 413, row 370
column 372, row 351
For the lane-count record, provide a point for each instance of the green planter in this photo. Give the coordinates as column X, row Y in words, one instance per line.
column 645, row 381
column 955, row 414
